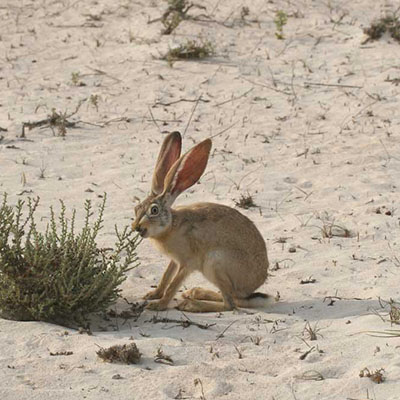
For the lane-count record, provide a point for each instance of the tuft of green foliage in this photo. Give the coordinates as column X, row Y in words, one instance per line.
column 190, row 50
column 75, row 78
column 59, row 275
column 280, row 21
column 378, row 28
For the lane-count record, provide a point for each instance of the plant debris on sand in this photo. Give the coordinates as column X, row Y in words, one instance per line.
column 126, row 353
column 375, row 376
column 56, row 120
column 163, row 358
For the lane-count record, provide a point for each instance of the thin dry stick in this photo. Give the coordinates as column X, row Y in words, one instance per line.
column 191, row 115
column 346, row 298
column 304, row 355
column 237, row 185
column 100, row 72
column 266, row 86
column 178, row 101
column 153, row 119
column 219, row 336
column 387, row 333
column 235, row 98
column 292, row 85
column 356, row 114
column 387, row 152
column 331, row 85
column 224, row 130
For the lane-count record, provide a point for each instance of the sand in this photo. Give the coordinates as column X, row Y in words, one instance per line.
column 308, row 126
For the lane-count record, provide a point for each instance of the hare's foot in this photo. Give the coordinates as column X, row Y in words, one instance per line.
column 199, row 293
column 157, row 305
column 200, row 306
column 153, row 295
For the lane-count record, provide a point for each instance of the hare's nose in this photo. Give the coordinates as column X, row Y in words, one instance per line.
column 142, row 231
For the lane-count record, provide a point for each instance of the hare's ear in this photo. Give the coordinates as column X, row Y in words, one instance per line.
column 169, row 153
column 187, row 170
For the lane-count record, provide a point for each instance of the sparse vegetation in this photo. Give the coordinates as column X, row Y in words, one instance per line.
column 176, row 12
column 329, row 228
column 59, row 276
column 389, row 24
column 245, row 201
column 76, row 79
column 244, row 12
column 94, row 100
column 59, row 120
column 256, row 340
column 126, row 353
column 394, row 313
column 311, row 332
column 393, row 310
column 189, row 51
column 42, row 171
column 280, row 21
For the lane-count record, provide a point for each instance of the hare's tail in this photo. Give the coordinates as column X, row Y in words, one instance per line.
column 255, row 300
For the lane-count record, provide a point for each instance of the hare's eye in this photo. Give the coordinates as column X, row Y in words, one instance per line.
column 154, row 209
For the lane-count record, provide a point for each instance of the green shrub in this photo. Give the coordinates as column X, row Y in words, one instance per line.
column 59, row 275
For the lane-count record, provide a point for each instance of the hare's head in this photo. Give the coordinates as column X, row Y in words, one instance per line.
column 172, row 175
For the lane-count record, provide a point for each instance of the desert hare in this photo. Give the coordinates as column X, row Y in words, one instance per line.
column 220, row 242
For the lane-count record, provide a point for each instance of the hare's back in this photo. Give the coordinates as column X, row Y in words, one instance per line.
column 216, row 225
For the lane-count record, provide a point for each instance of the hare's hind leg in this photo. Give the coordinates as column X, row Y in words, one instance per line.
column 199, row 293
column 207, row 306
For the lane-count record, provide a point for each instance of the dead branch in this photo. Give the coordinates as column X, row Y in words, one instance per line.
column 159, row 103
column 331, row 85
column 184, row 323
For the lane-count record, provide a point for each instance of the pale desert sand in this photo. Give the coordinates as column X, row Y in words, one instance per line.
column 310, row 154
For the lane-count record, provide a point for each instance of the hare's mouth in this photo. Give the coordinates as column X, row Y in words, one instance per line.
column 142, row 232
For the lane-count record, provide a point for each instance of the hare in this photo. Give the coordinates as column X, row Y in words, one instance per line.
column 217, row 240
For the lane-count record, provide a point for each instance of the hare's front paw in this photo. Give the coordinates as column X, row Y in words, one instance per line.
column 153, row 295
column 157, row 306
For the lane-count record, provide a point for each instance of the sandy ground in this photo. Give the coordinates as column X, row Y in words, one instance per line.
column 309, row 126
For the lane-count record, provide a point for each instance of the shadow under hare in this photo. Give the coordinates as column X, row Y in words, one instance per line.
column 217, row 240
